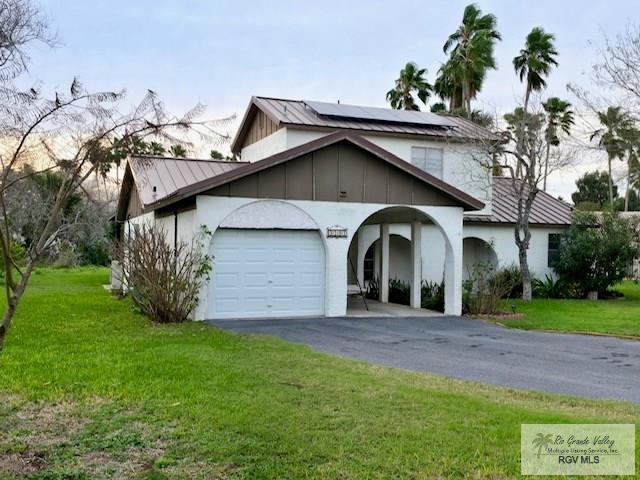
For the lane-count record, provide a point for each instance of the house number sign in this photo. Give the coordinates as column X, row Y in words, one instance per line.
column 336, row 232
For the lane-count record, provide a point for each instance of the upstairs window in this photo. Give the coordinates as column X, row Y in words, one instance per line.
column 554, row 249
column 428, row 159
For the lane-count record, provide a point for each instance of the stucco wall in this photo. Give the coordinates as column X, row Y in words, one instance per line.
column 187, row 226
column 433, row 248
column 274, row 143
column 212, row 211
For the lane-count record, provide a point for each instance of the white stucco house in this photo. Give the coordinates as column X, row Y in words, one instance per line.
column 328, row 195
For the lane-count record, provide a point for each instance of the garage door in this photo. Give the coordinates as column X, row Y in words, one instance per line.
column 266, row 273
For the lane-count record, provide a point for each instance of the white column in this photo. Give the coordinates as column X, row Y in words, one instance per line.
column 360, row 257
column 453, row 274
column 416, row 264
column 384, row 263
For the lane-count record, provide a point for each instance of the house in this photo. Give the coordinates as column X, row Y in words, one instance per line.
column 330, row 195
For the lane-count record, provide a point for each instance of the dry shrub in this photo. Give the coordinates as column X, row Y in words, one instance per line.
column 163, row 280
column 484, row 290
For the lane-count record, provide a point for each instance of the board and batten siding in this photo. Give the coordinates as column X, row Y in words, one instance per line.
column 134, row 207
column 261, row 127
column 337, row 173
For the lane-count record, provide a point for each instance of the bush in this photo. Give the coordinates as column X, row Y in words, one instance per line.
column 596, row 251
column 432, row 296
column 510, row 275
column 552, row 288
column 373, row 289
column 484, row 290
column 399, row 292
column 164, row 282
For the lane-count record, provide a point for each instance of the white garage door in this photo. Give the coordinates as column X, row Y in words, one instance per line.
column 266, row 273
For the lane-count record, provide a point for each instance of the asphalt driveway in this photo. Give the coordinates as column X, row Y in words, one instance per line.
column 587, row 366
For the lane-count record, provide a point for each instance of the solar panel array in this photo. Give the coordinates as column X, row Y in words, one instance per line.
column 379, row 114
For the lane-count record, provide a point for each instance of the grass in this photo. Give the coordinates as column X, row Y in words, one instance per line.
column 612, row 317
column 90, row 389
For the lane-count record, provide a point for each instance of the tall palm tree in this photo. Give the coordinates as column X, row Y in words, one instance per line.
column 559, row 119
column 535, row 61
column 471, row 47
column 411, row 80
column 631, row 140
column 610, row 138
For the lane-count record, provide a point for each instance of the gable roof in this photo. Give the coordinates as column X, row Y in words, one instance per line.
column 157, row 177
column 240, row 170
column 297, row 113
column 546, row 209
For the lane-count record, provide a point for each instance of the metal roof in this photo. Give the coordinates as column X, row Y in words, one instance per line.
column 157, row 178
column 546, row 209
column 298, row 113
column 238, row 170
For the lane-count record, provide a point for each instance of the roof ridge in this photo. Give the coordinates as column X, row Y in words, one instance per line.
column 163, row 157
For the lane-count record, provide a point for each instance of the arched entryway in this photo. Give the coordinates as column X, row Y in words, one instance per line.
column 475, row 252
column 389, row 245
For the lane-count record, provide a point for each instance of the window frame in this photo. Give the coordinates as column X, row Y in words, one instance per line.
column 424, row 165
column 553, row 253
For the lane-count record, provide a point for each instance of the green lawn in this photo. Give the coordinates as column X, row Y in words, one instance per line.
column 617, row 317
column 89, row 389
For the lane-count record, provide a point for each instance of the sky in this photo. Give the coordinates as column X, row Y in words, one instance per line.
column 221, row 53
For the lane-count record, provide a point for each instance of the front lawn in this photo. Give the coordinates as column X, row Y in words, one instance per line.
column 89, row 389
column 616, row 317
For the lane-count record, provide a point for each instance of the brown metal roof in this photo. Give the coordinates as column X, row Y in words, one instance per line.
column 466, row 201
column 546, row 209
column 168, row 175
column 296, row 113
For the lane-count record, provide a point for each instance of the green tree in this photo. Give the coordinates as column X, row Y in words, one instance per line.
column 535, row 61
column 471, row 47
column 410, row 81
column 216, row 155
column 178, row 151
column 559, row 119
column 596, row 251
column 593, row 188
column 610, row 137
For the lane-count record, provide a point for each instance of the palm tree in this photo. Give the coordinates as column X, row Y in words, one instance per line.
column 178, row 151
column 411, row 80
column 542, row 441
column 610, row 138
column 535, row 61
column 559, row 119
column 471, row 47
column 631, row 141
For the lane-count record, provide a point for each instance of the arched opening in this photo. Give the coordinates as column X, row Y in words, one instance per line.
column 394, row 249
column 476, row 251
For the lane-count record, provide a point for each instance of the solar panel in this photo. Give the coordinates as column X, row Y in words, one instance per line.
column 379, row 114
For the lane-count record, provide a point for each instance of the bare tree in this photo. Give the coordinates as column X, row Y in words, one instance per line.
column 619, row 65
column 73, row 132
column 522, row 151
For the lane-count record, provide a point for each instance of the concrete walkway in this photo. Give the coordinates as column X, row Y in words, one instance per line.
column 587, row 366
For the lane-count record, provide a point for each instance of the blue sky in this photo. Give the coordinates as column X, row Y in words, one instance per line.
column 222, row 52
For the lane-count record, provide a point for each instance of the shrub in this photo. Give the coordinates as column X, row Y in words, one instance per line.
column 399, row 292
column 596, row 251
column 432, row 295
column 552, row 288
column 484, row 290
column 510, row 275
column 164, row 282
column 373, row 289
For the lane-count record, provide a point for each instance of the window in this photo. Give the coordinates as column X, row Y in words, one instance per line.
column 554, row 248
column 428, row 159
